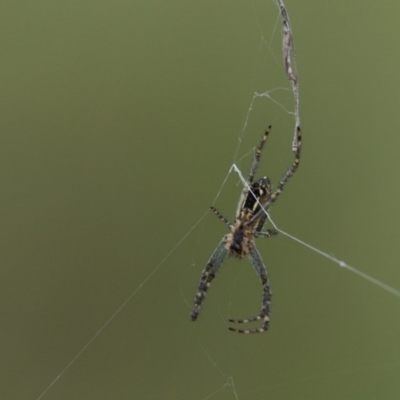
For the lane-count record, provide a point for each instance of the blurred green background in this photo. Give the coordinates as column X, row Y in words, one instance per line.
column 119, row 123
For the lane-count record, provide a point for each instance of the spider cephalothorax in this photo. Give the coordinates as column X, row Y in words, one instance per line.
column 251, row 214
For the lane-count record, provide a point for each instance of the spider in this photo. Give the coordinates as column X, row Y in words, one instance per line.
column 251, row 214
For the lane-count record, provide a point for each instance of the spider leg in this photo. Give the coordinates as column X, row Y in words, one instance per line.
column 261, row 271
column 261, row 222
column 267, row 234
column 221, row 217
column 207, row 275
column 257, row 156
column 261, row 215
column 253, row 169
column 292, row 169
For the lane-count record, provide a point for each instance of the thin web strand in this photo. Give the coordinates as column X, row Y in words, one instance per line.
column 341, row 263
column 289, row 60
column 230, row 383
column 91, row 340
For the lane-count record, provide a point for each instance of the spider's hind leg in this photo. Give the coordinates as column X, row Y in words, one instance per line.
column 207, row 275
column 261, row 271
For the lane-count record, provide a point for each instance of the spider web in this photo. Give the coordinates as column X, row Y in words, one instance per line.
column 272, row 96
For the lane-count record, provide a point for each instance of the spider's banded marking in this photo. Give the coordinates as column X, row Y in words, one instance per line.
column 254, row 202
column 259, row 190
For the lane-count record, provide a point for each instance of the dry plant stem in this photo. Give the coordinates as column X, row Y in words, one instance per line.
column 289, row 59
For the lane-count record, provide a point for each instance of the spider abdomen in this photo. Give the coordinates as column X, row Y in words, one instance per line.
column 238, row 242
column 259, row 192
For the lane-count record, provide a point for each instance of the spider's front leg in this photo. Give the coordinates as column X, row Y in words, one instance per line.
column 259, row 266
column 207, row 275
column 267, row 234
